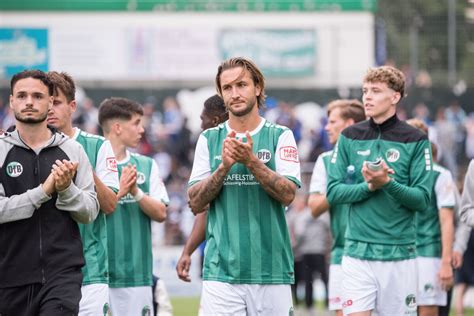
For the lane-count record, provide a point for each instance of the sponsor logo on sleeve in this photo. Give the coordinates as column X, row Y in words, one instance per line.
column 289, row 153
column 111, row 164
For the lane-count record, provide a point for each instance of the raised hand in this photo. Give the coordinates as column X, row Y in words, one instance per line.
column 227, row 160
column 128, row 180
column 376, row 179
column 63, row 172
column 241, row 151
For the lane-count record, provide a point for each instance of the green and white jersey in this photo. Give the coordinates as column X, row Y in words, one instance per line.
column 129, row 228
column 381, row 224
column 337, row 212
column 428, row 237
column 247, row 236
column 94, row 235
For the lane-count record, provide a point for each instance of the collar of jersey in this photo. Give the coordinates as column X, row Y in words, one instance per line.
column 124, row 160
column 389, row 123
column 76, row 133
column 255, row 131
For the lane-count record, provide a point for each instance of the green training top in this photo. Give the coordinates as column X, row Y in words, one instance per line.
column 381, row 224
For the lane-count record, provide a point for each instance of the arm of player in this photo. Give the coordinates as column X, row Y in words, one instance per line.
column 79, row 197
column 466, row 213
column 337, row 190
column 318, row 204
column 205, row 186
column 317, row 201
column 197, row 236
column 106, row 196
column 203, row 192
column 277, row 186
column 22, row 206
column 446, row 220
column 417, row 195
column 153, row 208
column 153, row 204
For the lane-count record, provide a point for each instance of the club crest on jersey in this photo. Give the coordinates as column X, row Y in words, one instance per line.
column 140, row 177
column 392, row 155
column 111, row 164
column 264, row 155
column 289, row 153
column 14, row 169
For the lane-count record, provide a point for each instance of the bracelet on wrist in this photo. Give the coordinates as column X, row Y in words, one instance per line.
column 139, row 196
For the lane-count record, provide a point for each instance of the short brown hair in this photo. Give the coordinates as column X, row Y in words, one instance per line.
column 118, row 108
column 64, row 82
column 246, row 64
column 35, row 74
column 350, row 109
column 394, row 78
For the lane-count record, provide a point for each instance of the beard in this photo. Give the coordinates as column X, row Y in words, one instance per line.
column 249, row 105
column 30, row 120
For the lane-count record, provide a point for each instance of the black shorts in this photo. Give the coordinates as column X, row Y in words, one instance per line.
column 60, row 295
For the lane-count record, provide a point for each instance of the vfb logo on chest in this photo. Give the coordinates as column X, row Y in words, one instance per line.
column 264, row 155
column 14, row 169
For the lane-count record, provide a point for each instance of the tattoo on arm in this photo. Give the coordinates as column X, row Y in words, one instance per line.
column 277, row 186
column 203, row 192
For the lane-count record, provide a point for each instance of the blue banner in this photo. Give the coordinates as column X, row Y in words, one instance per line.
column 23, row 48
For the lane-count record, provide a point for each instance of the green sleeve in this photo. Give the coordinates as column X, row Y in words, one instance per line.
column 338, row 191
column 415, row 196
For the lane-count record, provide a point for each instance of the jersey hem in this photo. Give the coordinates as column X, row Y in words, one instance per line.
column 247, row 281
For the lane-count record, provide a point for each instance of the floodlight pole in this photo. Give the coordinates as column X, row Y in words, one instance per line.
column 452, row 42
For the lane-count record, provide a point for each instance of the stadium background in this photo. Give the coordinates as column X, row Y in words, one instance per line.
column 164, row 54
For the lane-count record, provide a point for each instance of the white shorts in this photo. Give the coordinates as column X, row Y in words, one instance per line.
column 225, row 299
column 335, row 287
column 131, row 301
column 386, row 287
column 95, row 300
column 429, row 288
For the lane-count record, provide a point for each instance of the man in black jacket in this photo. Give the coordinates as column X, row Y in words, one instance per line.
column 46, row 187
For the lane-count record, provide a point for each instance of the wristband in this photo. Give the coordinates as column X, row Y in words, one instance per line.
column 139, row 196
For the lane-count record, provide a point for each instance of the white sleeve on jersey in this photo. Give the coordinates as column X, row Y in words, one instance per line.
column 444, row 188
column 106, row 166
column 157, row 187
column 286, row 156
column 319, row 179
column 201, row 165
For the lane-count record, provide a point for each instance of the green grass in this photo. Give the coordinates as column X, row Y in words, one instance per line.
column 185, row 306
column 189, row 306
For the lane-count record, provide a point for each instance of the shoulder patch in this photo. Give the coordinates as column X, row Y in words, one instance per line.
column 289, row 153
column 111, row 164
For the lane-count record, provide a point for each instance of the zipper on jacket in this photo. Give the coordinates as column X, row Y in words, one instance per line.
column 378, row 139
column 36, row 173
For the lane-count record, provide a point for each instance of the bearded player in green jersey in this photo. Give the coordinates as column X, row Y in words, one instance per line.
column 341, row 114
column 248, row 170
column 379, row 261
column 129, row 227
column 95, row 292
